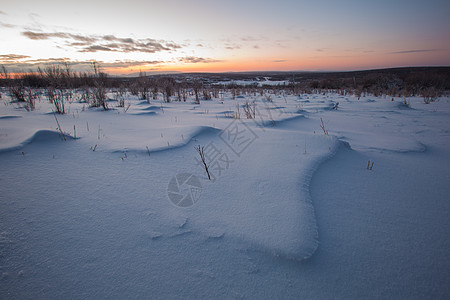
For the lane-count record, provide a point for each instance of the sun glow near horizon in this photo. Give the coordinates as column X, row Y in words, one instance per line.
column 208, row 36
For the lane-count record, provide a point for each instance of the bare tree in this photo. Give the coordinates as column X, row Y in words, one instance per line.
column 55, row 87
column 143, row 86
column 196, row 85
column 167, row 87
column 99, row 91
column 18, row 92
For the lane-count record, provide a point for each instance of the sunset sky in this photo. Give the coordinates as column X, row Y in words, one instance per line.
column 215, row 36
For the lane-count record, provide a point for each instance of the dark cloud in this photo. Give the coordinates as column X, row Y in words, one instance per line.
column 43, row 36
column 81, row 38
column 22, row 63
column 92, row 43
column 61, row 35
column 173, row 46
column 414, row 51
column 232, row 46
column 96, row 48
column 109, row 37
column 279, row 60
column 12, row 57
column 77, row 44
column 195, row 60
column 112, row 38
column 112, row 45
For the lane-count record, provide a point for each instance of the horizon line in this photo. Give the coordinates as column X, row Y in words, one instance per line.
column 149, row 73
column 174, row 72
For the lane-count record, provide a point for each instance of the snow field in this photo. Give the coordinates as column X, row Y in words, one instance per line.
column 98, row 205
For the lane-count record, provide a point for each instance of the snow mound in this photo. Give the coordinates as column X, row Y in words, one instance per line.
column 146, row 113
column 169, row 138
column 284, row 123
column 263, row 197
column 151, row 108
column 403, row 105
column 9, row 117
column 40, row 136
column 387, row 142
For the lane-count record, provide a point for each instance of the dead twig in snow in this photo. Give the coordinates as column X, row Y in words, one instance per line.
column 201, row 153
column 322, row 125
column 59, row 126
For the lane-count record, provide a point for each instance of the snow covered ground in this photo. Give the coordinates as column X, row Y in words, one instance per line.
column 124, row 209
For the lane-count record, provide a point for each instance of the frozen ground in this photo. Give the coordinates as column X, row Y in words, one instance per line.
column 290, row 213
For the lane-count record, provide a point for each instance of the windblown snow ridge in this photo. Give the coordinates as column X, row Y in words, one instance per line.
column 189, row 134
column 339, row 145
column 40, row 136
column 268, row 204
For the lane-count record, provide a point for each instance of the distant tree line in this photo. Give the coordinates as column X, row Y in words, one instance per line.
column 393, row 82
column 59, row 82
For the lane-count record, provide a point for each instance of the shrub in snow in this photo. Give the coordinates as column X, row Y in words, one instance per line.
column 250, row 110
column 201, row 153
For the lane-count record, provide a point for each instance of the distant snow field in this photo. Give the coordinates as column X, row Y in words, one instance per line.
column 311, row 196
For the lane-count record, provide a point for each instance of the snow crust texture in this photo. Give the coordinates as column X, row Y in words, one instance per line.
column 90, row 201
